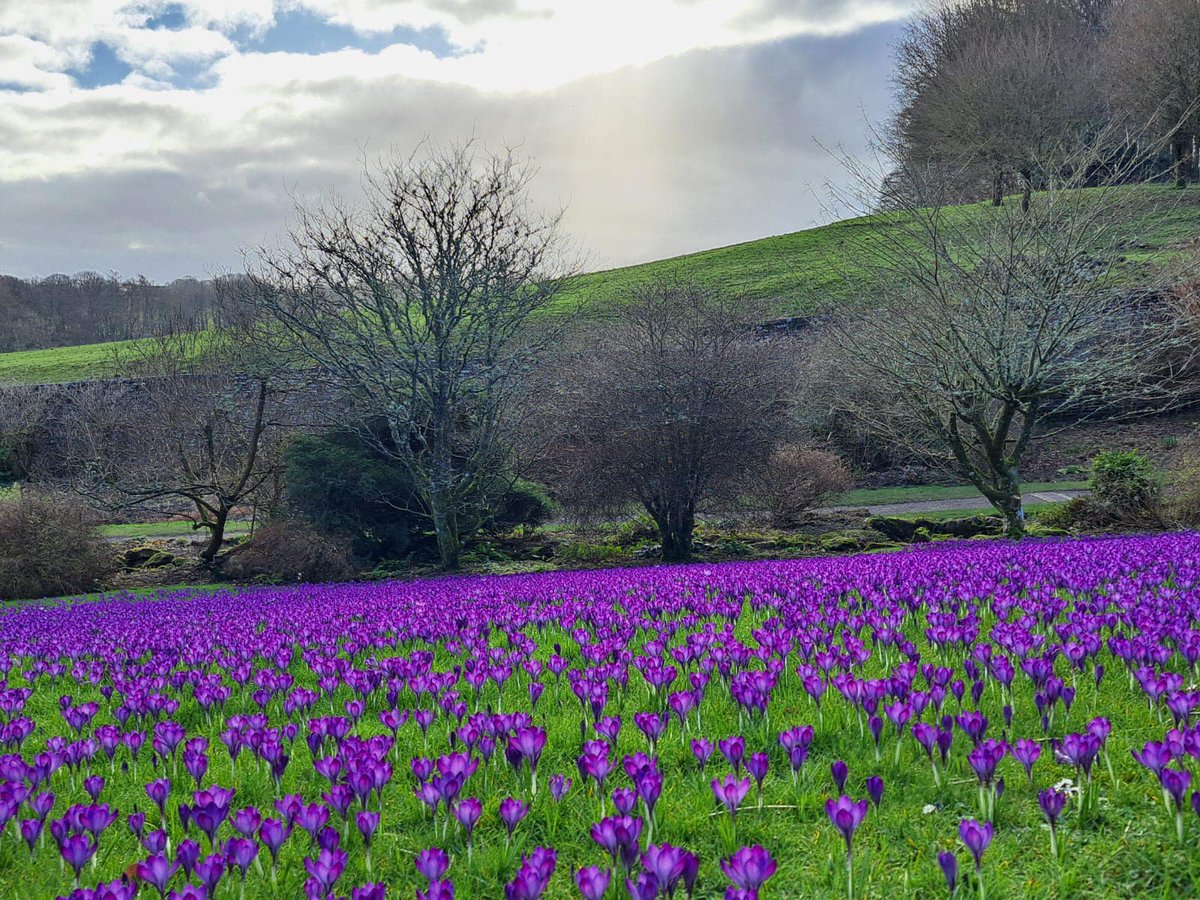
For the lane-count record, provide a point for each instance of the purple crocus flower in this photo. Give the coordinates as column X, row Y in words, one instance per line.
column 731, row 791
column 1052, row 803
column 702, row 749
column 31, row 830
column 949, row 865
column 209, row 870
column 1155, row 756
column 977, row 837
column 875, row 789
column 757, row 766
column 533, row 876
column 77, row 850
column 846, row 815
column 840, row 772
column 749, row 868
column 326, row 869
column 618, row 835
column 240, row 853
column 734, row 750
column 624, row 800
column 273, row 833
column 156, row 871
column 512, row 811
column 1026, row 752
column 1175, row 783
column 642, row 887
column 467, row 811
column 593, row 882
column 666, row 864
column 432, row 863
column 559, row 786
column 438, row 890
column 187, row 854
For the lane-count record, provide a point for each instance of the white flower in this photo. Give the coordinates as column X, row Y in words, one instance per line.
column 928, row 809
column 1067, row 786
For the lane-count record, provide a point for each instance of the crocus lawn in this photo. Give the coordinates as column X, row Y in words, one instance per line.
column 993, row 719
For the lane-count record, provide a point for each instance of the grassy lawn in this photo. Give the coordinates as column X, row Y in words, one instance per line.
column 798, row 271
column 164, row 529
column 931, row 492
column 148, row 592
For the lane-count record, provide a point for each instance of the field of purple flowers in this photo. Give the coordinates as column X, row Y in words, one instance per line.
column 980, row 719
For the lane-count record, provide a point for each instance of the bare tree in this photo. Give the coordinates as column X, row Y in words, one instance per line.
column 26, row 413
column 999, row 87
column 1153, row 58
column 669, row 405
column 983, row 326
column 198, row 422
column 428, row 304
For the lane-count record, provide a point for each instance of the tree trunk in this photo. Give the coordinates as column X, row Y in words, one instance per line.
column 216, row 534
column 998, row 189
column 1179, row 153
column 1026, row 189
column 1010, row 506
column 445, row 525
column 675, row 522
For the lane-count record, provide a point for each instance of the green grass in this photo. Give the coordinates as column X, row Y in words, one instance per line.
column 933, row 492
column 148, row 592
column 796, row 271
column 164, row 529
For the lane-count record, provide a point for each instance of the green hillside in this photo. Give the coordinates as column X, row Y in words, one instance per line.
column 797, row 270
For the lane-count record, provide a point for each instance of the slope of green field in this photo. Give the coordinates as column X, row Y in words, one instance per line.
column 797, row 270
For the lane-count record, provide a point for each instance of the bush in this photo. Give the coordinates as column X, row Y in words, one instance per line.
column 49, row 547
column 1063, row 516
column 583, row 554
column 797, row 480
column 351, row 493
column 1125, row 488
column 1184, row 486
column 525, row 503
column 285, row 552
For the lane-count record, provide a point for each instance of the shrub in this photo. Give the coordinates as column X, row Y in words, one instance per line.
column 797, row 480
column 1125, row 487
column 1184, row 488
column 288, row 551
column 351, row 493
column 49, row 547
column 579, row 553
column 1063, row 516
column 525, row 503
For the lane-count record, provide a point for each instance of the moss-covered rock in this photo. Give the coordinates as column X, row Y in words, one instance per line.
column 921, row 530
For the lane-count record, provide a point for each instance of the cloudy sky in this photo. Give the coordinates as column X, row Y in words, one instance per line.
column 160, row 137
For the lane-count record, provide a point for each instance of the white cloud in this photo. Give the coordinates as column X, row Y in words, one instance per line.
column 28, row 63
column 665, row 125
column 707, row 148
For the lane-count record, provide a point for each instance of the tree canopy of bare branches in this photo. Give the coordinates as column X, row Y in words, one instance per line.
column 1153, row 69
column 997, row 87
column 181, row 429
column 983, row 325
column 426, row 303
column 671, row 404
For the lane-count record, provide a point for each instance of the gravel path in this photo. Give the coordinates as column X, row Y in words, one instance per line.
column 929, row 506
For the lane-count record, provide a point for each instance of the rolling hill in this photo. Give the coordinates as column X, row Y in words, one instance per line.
column 797, row 270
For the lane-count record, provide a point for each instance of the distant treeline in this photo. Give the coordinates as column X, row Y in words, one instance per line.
column 86, row 308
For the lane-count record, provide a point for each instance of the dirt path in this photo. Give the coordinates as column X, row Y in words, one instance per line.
column 931, row 506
